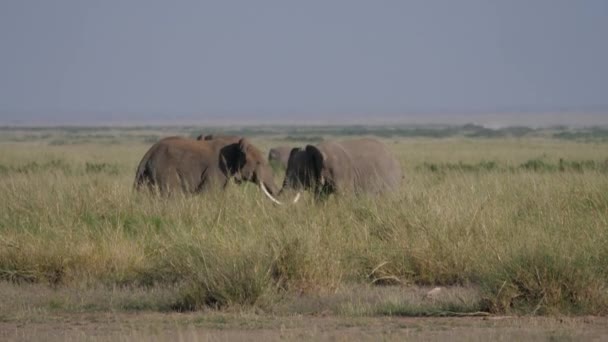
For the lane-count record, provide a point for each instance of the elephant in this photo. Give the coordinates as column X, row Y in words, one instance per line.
column 359, row 166
column 228, row 138
column 194, row 166
column 279, row 156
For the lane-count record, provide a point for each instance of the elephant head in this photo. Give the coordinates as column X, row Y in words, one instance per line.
column 279, row 156
column 245, row 162
column 307, row 169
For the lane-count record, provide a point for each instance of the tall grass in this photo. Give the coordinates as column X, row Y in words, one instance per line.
column 531, row 241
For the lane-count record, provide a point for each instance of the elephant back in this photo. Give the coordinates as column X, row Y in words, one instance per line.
column 375, row 168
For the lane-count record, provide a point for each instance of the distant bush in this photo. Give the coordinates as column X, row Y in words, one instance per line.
column 69, row 141
column 535, row 165
column 36, row 167
column 472, row 126
column 101, row 168
column 460, row 166
column 538, row 165
column 517, row 131
column 511, row 131
column 59, row 165
column 312, row 139
column 151, row 139
column 594, row 133
column 58, row 142
column 565, row 165
column 420, row 132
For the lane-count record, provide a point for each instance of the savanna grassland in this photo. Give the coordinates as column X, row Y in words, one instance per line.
column 505, row 222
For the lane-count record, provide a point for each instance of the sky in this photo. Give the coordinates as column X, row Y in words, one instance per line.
column 146, row 59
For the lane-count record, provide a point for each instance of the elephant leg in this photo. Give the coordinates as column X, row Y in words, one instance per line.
column 208, row 181
column 322, row 192
column 168, row 181
column 203, row 186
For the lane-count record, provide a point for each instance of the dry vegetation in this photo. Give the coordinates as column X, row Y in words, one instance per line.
column 506, row 225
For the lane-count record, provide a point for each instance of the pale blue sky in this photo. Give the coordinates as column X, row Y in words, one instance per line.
column 286, row 58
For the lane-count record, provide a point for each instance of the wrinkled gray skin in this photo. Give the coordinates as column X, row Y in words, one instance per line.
column 193, row 166
column 361, row 166
column 279, row 156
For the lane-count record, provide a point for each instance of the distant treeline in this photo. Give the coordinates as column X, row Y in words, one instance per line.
column 431, row 131
column 316, row 133
column 72, row 135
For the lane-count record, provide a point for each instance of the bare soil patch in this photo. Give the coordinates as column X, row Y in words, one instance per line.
column 214, row 326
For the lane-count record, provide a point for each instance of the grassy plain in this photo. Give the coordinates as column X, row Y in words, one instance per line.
column 514, row 222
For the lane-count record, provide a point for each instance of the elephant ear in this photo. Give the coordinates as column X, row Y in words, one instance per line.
column 292, row 154
column 318, row 159
column 244, row 145
column 232, row 157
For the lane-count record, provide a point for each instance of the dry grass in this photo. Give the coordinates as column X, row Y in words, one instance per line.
column 527, row 240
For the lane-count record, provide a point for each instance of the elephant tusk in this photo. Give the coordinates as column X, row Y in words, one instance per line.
column 297, row 198
column 268, row 194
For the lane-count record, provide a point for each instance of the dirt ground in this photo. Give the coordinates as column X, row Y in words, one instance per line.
column 237, row 327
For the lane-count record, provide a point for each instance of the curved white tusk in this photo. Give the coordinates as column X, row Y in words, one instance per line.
column 268, row 194
column 297, row 198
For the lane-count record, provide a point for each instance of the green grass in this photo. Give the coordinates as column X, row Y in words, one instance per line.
column 523, row 222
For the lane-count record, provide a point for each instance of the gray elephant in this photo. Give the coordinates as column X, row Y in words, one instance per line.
column 279, row 156
column 193, row 166
column 361, row 166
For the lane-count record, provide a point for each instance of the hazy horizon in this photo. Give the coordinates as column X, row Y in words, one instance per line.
column 140, row 62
